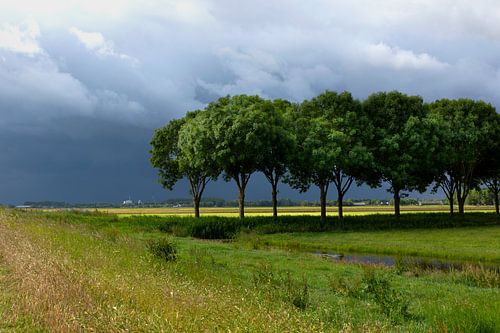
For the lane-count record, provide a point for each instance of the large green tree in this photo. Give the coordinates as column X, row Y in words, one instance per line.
column 489, row 170
column 403, row 142
column 164, row 153
column 329, row 147
column 174, row 154
column 241, row 134
column 469, row 130
column 196, row 161
column 279, row 147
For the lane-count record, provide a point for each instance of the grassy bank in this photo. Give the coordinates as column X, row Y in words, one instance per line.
column 12, row 318
column 73, row 272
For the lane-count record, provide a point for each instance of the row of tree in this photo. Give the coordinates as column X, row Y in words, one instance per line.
column 334, row 139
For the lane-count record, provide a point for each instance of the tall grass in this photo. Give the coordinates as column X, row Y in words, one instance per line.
column 78, row 272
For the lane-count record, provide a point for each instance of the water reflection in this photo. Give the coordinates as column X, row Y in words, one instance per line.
column 407, row 261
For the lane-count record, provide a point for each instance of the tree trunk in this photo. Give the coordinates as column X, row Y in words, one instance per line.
column 196, row 204
column 340, row 204
column 241, row 202
column 397, row 201
column 448, row 185
column 461, row 204
column 197, row 187
column 463, row 188
column 494, row 186
column 275, row 202
column 496, row 202
column 322, row 198
column 242, row 181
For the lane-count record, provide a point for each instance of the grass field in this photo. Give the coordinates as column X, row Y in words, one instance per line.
column 93, row 272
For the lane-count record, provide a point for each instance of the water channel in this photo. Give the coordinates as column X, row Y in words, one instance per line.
column 405, row 261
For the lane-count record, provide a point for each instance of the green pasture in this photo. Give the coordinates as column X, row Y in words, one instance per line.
column 70, row 271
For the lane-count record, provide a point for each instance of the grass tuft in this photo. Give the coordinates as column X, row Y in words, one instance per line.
column 163, row 248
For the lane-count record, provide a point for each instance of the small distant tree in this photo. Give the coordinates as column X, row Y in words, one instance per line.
column 469, row 134
column 239, row 128
column 493, row 184
column 403, row 141
column 329, row 147
column 175, row 161
column 480, row 196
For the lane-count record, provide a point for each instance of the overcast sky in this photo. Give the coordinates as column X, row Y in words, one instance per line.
column 84, row 83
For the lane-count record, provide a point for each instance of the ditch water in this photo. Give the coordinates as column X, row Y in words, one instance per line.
column 405, row 261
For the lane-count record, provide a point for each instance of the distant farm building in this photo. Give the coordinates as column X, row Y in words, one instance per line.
column 128, row 203
column 24, row 206
column 430, row 202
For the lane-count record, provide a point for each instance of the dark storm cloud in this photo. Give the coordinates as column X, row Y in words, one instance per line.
column 83, row 85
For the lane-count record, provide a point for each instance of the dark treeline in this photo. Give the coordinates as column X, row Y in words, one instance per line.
column 285, row 202
column 332, row 141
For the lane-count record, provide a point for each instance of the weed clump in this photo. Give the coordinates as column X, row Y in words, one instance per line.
column 344, row 286
column 392, row 301
column 282, row 285
column 375, row 286
column 163, row 248
column 478, row 276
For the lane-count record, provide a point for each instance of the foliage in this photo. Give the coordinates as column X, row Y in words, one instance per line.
column 165, row 151
column 333, row 138
column 470, row 129
column 181, row 149
column 279, row 149
column 403, row 142
column 329, row 146
column 239, row 128
column 480, row 197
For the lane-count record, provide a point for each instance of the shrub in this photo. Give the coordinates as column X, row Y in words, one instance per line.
column 297, row 293
column 163, row 248
column 392, row 302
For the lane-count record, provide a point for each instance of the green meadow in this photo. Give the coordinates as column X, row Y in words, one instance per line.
column 77, row 271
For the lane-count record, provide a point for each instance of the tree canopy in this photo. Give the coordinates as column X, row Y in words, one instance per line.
column 389, row 138
column 403, row 142
column 240, row 128
column 279, row 149
column 329, row 146
column 180, row 150
column 469, row 129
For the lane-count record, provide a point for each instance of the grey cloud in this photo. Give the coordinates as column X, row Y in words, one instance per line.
column 76, row 118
